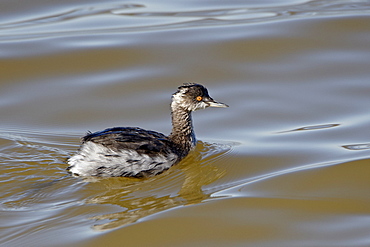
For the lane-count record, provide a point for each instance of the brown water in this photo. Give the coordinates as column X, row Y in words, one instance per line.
column 288, row 164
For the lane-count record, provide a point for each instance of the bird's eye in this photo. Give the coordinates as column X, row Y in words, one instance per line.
column 199, row 98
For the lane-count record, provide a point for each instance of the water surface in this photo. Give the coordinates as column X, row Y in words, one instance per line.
column 287, row 164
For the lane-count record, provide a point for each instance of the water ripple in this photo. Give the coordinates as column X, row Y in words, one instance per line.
column 313, row 127
column 357, row 147
column 69, row 15
column 138, row 18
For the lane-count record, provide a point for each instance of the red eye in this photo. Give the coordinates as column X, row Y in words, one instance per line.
column 199, row 98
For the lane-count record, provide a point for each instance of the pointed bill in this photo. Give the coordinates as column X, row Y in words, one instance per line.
column 216, row 104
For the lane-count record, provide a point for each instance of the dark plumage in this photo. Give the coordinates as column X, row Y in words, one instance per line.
column 135, row 152
column 117, row 138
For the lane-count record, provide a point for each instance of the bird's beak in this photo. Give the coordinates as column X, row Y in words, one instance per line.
column 216, row 104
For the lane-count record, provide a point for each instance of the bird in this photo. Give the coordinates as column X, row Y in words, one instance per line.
column 139, row 153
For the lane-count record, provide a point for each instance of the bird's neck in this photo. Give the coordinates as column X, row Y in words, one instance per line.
column 182, row 128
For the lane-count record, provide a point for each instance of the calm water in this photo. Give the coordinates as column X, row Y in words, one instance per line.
column 288, row 164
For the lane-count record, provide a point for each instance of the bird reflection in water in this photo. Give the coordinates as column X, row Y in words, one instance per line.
column 143, row 197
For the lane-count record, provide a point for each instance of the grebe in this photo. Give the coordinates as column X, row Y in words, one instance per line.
column 135, row 152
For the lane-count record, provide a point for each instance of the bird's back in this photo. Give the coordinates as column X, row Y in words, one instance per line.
column 123, row 151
